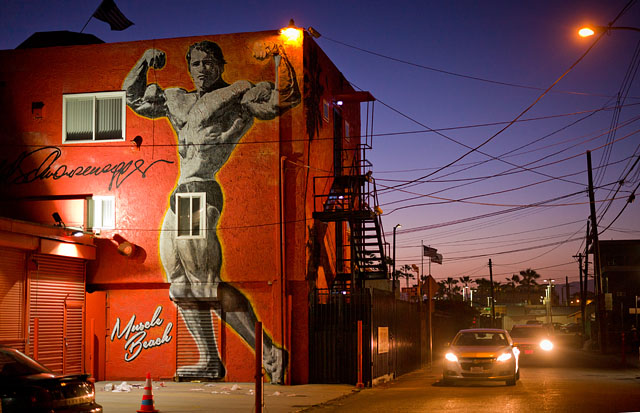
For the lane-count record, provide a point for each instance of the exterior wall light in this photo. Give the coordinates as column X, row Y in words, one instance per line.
column 291, row 32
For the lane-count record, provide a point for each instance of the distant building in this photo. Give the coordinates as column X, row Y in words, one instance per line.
column 620, row 264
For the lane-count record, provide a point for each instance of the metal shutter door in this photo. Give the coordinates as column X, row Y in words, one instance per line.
column 13, row 274
column 57, row 289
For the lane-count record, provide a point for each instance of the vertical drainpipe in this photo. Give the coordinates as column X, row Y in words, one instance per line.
column 283, row 270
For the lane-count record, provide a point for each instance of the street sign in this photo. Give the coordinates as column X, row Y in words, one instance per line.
column 431, row 286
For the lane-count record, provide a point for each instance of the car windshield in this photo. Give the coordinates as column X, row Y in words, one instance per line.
column 14, row 363
column 480, row 339
column 528, row 332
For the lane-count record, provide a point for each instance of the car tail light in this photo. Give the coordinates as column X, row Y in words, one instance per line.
column 38, row 396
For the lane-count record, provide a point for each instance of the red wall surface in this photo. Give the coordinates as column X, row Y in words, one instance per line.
column 272, row 155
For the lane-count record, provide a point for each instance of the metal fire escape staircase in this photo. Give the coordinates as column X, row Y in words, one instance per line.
column 351, row 197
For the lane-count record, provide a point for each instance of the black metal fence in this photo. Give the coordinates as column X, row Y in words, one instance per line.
column 391, row 336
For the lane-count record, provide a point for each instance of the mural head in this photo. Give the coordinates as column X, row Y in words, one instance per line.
column 206, row 64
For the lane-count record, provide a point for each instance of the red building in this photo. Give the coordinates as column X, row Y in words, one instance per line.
column 191, row 168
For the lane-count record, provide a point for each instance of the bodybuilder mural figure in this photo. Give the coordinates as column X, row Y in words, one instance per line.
column 209, row 123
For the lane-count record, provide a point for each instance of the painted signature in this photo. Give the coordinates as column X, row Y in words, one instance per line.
column 20, row 171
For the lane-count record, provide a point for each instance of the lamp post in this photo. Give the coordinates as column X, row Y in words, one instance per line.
column 590, row 31
column 549, row 300
column 393, row 274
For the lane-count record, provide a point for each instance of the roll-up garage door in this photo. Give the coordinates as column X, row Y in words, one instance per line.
column 57, row 288
column 13, row 274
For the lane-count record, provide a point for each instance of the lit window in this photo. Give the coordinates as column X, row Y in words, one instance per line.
column 191, row 214
column 93, row 117
column 101, row 213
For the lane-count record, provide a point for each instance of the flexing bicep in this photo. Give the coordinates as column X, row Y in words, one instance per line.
column 262, row 101
column 150, row 102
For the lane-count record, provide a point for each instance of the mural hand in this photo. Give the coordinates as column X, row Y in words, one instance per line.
column 263, row 50
column 155, row 58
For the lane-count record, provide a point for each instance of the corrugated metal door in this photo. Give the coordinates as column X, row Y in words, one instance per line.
column 72, row 339
column 188, row 353
column 13, row 274
column 57, row 288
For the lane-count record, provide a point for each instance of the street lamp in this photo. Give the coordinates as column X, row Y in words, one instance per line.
column 590, row 31
column 549, row 300
column 393, row 274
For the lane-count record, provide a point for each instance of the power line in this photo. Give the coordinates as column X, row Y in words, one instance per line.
column 447, row 72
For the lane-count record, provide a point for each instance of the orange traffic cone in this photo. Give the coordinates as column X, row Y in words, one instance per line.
column 147, row 398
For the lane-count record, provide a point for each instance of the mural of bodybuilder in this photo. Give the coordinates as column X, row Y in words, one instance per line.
column 209, row 122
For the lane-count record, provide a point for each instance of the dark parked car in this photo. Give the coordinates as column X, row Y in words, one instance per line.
column 28, row 386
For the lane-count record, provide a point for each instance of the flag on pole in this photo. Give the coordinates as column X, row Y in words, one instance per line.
column 429, row 252
column 437, row 258
column 108, row 12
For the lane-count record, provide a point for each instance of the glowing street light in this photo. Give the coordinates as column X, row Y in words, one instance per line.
column 590, row 31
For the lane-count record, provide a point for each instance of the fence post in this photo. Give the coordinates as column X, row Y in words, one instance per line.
column 258, row 376
column 360, row 384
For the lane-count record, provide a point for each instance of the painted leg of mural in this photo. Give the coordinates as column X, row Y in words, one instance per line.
column 197, row 317
column 239, row 314
column 179, row 288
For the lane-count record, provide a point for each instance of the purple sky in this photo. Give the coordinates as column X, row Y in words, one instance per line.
column 521, row 43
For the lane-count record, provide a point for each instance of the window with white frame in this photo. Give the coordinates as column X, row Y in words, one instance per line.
column 101, row 212
column 93, row 117
column 191, row 214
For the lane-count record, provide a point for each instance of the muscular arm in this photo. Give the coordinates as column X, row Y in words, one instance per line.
column 265, row 101
column 146, row 99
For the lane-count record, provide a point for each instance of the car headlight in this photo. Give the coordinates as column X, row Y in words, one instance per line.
column 546, row 345
column 451, row 357
column 504, row 357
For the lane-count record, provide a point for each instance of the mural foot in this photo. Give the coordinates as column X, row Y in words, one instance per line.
column 275, row 363
column 211, row 371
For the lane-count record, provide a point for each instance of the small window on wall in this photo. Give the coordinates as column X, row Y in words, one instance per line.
column 88, row 117
column 325, row 110
column 191, row 214
column 101, row 212
column 346, row 130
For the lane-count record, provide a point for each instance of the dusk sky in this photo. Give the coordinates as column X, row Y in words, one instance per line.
column 465, row 69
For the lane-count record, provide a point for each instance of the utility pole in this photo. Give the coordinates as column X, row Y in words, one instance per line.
column 566, row 286
column 596, row 260
column 582, row 294
column 493, row 301
column 586, row 280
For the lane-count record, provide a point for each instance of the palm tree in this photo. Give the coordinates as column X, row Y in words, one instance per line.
column 450, row 286
column 528, row 282
column 405, row 271
column 513, row 282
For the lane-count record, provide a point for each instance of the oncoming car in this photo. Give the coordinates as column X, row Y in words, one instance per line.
column 28, row 386
column 481, row 354
column 533, row 341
